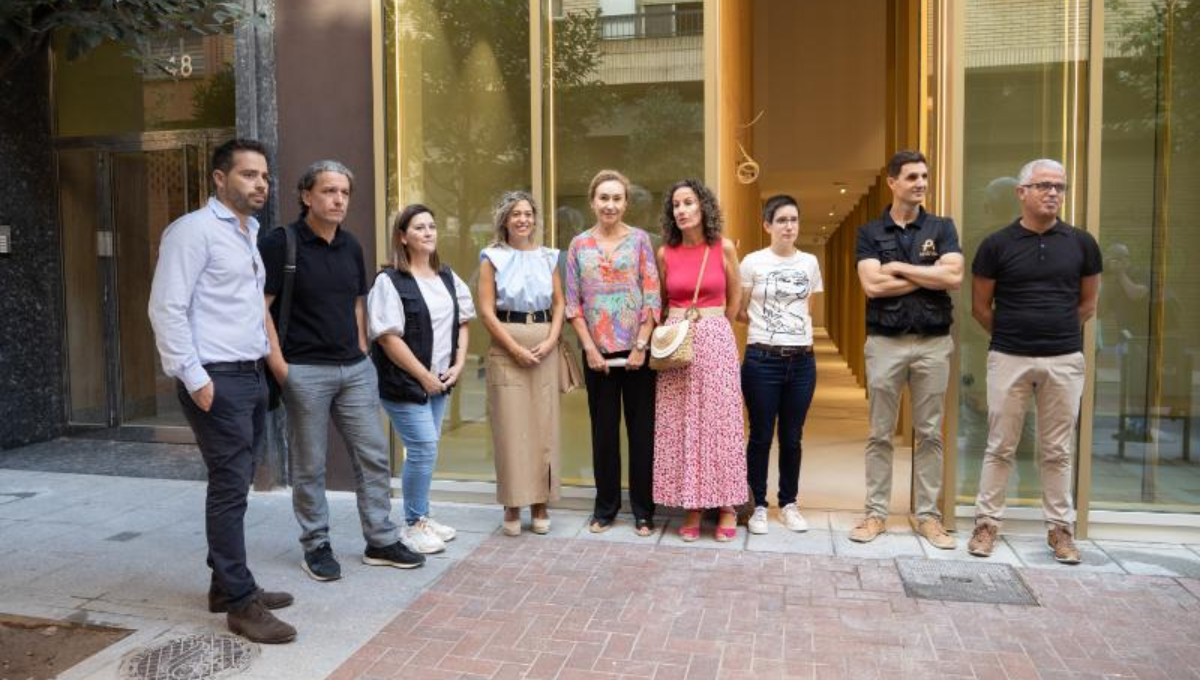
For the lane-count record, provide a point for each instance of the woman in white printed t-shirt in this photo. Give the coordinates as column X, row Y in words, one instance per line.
column 417, row 315
column 779, row 373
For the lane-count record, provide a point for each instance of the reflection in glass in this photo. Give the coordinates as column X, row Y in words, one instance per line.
column 197, row 93
column 458, row 136
column 1020, row 104
column 1144, row 450
column 628, row 94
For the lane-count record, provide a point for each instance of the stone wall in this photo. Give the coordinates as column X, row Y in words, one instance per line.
column 31, row 359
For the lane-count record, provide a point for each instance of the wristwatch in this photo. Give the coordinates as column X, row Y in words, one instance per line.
column 641, row 345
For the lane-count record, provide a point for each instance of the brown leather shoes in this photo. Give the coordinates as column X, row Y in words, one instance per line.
column 983, row 540
column 1062, row 543
column 868, row 530
column 257, row 624
column 218, row 604
column 931, row 530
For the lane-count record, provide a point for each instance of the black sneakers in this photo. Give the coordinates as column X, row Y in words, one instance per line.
column 321, row 564
column 394, row 555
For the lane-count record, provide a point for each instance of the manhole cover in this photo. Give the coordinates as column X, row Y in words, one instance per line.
column 195, row 657
column 964, row 582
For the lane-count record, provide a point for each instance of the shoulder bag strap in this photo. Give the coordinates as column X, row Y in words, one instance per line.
column 289, row 283
column 700, row 279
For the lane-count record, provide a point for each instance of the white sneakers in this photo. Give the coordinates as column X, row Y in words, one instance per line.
column 792, row 519
column 440, row 530
column 758, row 521
column 427, row 536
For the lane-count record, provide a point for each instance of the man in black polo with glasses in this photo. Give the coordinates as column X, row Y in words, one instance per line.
column 1036, row 282
column 206, row 307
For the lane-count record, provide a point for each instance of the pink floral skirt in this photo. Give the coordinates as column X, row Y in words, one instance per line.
column 699, row 433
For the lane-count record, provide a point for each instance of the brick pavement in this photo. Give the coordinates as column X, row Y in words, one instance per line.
column 543, row 608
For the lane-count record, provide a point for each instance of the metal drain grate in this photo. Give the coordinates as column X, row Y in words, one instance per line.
column 195, row 657
column 964, row 582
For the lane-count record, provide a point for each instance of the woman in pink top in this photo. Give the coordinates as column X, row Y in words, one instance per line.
column 699, row 438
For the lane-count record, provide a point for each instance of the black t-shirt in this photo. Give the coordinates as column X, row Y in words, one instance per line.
column 330, row 277
column 1037, row 287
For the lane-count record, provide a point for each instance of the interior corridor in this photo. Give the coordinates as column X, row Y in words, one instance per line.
column 831, row 472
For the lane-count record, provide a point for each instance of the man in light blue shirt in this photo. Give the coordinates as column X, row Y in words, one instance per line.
column 206, row 307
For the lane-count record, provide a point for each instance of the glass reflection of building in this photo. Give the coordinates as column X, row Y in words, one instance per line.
column 621, row 85
column 1031, row 76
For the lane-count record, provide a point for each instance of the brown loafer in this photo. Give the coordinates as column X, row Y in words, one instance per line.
column 218, row 604
column 257, row 624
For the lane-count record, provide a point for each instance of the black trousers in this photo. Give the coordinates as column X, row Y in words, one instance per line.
column 606, row 395
column 228, row 435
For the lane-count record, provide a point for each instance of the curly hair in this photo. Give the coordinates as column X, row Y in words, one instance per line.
column 714, row 222
column 503, row 210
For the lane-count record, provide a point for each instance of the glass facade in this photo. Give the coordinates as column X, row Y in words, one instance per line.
column 1028, row 86
column 1025, row 77
column 620, row 85
column 1144, row 451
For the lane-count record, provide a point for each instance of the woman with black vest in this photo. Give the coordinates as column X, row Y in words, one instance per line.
column 417, row 315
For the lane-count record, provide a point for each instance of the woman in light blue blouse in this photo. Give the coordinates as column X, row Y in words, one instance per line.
column 521, row 305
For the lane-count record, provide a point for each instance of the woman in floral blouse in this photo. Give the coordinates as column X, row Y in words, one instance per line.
column 613, row 302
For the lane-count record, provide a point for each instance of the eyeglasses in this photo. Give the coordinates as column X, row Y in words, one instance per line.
column 1045, row 187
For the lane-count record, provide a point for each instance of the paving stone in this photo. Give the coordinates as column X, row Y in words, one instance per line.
column 1035, row 553
column 888, row 546
column 622, row 532
column 1153, row 560
column 1002, row 554
column 699, row 611
column 779, row 539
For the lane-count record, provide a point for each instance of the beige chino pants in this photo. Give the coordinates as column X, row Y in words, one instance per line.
column 922, row 363
column 1056, row 385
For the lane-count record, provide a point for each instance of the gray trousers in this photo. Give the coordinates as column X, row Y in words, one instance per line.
column 922, row 363
column 349, row 396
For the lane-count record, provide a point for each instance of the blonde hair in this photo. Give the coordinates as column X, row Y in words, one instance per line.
column 607, row 176
column 504, row 208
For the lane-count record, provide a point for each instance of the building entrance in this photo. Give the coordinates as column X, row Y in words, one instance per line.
column 117, row 195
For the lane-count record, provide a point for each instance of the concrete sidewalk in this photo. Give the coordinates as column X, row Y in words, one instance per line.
column 130, row 553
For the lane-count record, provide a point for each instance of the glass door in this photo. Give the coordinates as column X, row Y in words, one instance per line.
column 115, row 203
column 149, row 190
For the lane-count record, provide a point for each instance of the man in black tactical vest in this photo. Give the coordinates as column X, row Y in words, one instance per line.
column 907, row 261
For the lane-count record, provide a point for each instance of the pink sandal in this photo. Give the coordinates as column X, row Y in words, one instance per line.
column 690, row 533
column 726, row 534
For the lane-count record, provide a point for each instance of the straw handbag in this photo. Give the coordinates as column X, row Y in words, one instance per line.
column 671, row 346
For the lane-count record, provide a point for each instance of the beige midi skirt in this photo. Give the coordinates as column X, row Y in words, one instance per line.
column 523, row 406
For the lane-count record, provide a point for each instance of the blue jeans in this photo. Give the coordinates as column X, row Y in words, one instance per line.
column 776, row 388
column 420, row 426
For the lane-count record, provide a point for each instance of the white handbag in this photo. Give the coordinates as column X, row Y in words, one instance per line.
column 671, row 346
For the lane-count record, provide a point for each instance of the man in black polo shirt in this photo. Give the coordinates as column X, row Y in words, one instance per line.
column 1036, row 282
column 323, row 369
column 907, row 260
